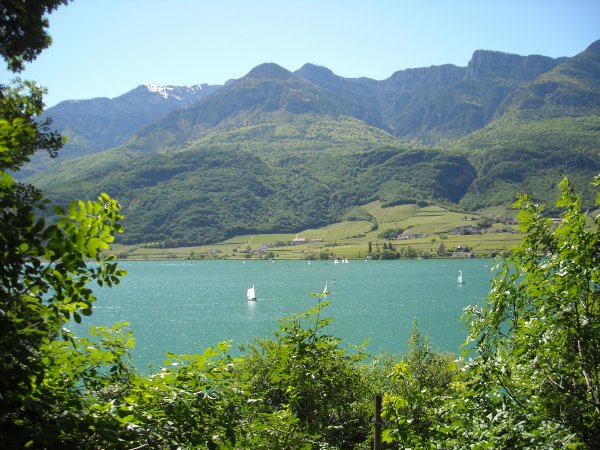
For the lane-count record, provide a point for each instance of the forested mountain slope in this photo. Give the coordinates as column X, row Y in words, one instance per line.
column 282, row 151
column 547, row 128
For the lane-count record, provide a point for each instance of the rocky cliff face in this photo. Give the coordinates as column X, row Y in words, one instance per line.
column 489, row 65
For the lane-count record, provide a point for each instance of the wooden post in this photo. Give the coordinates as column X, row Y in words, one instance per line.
column 377, row 422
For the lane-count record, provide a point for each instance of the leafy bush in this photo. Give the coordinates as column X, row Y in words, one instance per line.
column 390, row 233
column 305, row 372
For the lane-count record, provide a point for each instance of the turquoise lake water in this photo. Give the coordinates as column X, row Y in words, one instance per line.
column 186, row 306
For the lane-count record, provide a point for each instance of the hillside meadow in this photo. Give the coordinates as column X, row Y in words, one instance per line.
column 351, row 239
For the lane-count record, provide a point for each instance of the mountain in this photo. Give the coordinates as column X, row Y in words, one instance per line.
column 569, row 89
column 102, row 123
column 543, row 130
column 426, row 104
column 282, row 151
column 267, row 94
column 438, row 102
column 264, row 178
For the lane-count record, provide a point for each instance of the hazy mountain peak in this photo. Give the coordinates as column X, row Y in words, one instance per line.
column 309, row 70
column 594, row 47
column 100, row 123
column 269, row 70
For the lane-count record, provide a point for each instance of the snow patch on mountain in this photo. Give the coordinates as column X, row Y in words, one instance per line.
column 177, row 92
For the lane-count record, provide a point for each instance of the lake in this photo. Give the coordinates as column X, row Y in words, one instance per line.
column 186, row 306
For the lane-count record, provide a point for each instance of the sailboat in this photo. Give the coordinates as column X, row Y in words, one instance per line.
column 251, row 294
column 460, row 278
column 326, row 290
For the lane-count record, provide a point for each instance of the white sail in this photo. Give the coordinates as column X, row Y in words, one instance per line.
column 326, row 290
column 251, row 294
column 460, row 277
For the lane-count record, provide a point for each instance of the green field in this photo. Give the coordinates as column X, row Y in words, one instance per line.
column 351, row 239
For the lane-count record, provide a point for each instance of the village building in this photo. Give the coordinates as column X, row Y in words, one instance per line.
column 407, row 236
column 467, row 229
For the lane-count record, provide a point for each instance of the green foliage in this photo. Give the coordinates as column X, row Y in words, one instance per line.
column 441, row 250
column 81, row 379
column 46, row 268
column 305, row 372
column 210, row 192
column 299, row 391
column 486, row 222
column 532, row 380
column 21, row 133
column 537, row 336
column 96, row 399
column 356, row 213
column 23, row 30
column 527, row 155
column 420, row 382
column 390, row 233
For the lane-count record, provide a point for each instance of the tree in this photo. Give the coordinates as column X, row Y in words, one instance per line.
column 23, row 33
column 420, row 383
column 304, row 372
column 485, row 222
column 410, row 252
column 537, row 338
column 441, row 251
column 44, row 273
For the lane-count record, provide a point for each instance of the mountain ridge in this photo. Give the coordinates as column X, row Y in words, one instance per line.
column 377, row 101
column 399, row 103
column 279, row 150
column 101, row 123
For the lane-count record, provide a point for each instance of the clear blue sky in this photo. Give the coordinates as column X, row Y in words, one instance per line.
column 104, row 48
